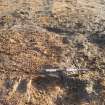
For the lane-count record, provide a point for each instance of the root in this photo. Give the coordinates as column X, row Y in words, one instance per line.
column 29, row 87
column 16, row 85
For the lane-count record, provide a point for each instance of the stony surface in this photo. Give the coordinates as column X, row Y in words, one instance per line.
column 40, row 34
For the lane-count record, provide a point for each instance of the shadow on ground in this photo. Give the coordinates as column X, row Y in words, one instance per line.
column 74, row 89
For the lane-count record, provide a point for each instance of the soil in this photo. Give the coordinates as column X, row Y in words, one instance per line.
column 46, row 34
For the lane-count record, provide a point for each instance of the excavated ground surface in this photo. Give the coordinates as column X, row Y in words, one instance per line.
column 40, row 34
